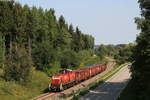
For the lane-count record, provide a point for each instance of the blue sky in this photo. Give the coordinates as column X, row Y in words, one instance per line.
column 109, row 21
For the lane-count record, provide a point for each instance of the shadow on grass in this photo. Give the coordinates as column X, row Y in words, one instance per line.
column 46, row 90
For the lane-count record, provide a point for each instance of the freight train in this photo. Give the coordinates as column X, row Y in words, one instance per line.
column 68, row 78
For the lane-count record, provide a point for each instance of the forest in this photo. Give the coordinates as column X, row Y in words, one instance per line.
column 31, row 36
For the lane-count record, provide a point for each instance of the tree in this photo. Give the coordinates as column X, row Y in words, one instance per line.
column 140, row 69
column 124, row 53
column 102, row 51
column 70, row 59
column 18, row 65
column 29, row 28
column 64, row 37
column 1, row 50
column 6, row 24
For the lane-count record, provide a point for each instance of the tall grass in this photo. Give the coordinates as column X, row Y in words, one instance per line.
column 11, row 90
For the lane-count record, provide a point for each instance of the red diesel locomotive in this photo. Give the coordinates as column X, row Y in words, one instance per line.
column 68, row 78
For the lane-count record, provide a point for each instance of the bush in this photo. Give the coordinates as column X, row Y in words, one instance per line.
column 84, row 55
column 53, row 68
column 69, row 59
column 11, row 89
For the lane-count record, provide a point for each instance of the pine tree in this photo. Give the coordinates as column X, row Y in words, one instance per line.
column 6, row 23
column 18, row 63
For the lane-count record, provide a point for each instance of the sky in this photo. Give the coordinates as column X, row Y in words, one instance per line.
column 108, row 21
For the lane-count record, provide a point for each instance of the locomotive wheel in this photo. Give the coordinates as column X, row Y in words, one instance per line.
column 58, row 90
column 76, row 82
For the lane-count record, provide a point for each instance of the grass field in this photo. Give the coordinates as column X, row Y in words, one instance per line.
column 12, row 90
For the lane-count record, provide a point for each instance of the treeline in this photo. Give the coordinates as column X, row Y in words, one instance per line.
column 121, row 53
column 124, row 53
column 105, row 50
column 31, row 36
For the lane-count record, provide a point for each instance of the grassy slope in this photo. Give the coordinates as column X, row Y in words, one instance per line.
column 39, row 82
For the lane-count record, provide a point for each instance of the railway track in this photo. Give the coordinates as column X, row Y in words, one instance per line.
column 58, row 95
column 44, row 96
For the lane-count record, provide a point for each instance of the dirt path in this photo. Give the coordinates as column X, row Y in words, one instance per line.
column 110, row 89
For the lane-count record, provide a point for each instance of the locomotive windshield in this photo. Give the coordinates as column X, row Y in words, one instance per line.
column 65, row 71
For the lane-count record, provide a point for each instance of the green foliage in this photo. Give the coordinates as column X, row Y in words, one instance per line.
column 140, row 69
column 44, row 54
column 102, row 51
column 30, row 34
column 1, row 51
column 14, row 91
column 84, row 55
column 5, row 27
column 124, row 53
column 18, row 65
column 69, row 58
column 91, row 61
column 55, row 68
column 121, row 52
column 106, row 50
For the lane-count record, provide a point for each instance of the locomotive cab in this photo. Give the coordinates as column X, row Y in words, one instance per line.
column 55, row 84
column 56, row 81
